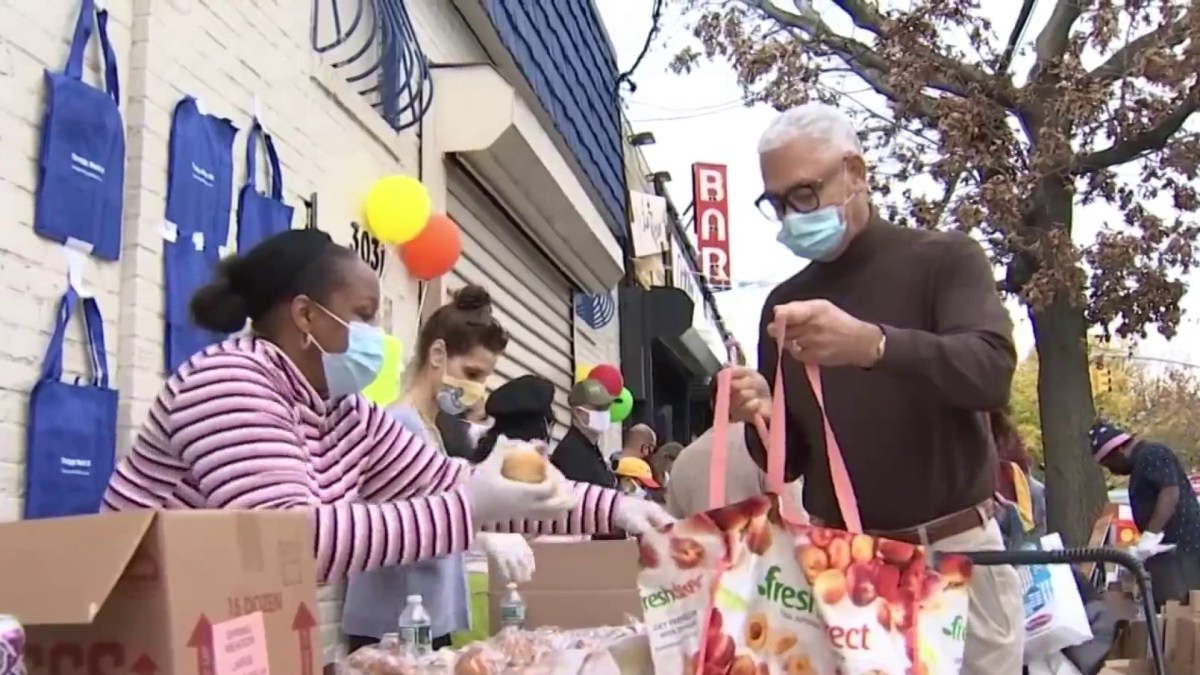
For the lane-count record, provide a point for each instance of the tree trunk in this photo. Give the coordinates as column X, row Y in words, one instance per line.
column 1074, row 486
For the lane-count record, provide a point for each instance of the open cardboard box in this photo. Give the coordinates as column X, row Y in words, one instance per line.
column 577, row 584
column 164, row 592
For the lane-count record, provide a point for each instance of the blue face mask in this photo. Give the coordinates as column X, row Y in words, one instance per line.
column 813, row 236
column 350, row 372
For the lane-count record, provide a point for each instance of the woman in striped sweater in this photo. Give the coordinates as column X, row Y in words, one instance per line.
column 271, row 419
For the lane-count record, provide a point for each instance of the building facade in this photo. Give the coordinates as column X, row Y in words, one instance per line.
column 672, row 338
column 530, row 181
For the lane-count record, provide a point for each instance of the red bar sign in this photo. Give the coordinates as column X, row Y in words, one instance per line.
column 711, row 202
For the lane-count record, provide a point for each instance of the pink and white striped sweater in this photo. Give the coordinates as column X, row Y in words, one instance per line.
column 239, row 427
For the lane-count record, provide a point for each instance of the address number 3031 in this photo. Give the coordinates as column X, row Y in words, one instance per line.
column 371, row 250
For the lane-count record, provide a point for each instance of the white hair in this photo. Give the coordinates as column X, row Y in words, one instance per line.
column 818, row 121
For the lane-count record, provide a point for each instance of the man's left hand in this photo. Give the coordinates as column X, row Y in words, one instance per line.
column 819, row 332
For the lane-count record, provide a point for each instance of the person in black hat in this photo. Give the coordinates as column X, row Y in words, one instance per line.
column 1164, row 508
column 520, row 409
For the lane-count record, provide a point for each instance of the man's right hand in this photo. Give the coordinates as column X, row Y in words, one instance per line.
column 749, row 395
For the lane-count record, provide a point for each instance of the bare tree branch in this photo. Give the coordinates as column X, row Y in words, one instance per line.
column 1151, row 140
column 1125, row 59
column 1051, row 43
column 957, row 78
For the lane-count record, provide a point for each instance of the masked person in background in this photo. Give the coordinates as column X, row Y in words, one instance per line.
column 638, row 442
column 456, row 351
column 520, row 409
column 1164, row 508
column 578, row 454
column 636, row 478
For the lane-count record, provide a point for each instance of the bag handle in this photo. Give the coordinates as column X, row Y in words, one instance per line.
column 257, row 131
column 89, row 18
column 52, row 363
column 774, row 439
column 843, row 488
column 93, row 323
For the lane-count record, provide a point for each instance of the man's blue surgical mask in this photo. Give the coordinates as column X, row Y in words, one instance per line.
column 814, row 236
column 350, row 372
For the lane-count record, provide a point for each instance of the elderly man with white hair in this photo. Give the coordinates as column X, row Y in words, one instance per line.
column 915, row 348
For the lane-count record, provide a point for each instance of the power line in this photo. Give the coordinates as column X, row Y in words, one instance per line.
column 704, row 113
column 1151, row 359
column 687, row 109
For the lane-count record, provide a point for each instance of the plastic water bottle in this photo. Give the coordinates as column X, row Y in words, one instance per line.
column 512, row 609
column 416, row 636
column 12, row 646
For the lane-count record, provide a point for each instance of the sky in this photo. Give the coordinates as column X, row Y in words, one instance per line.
column 699, row 118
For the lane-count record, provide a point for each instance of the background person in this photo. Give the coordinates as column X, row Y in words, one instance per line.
column 1023, row 497
column 271, row 419
column 688, row 489
column 663, row 459
column 636, row 478
column 520, row 409
column 456, row 352
column 638, row 442
column 578, row 454
column 1163, row 504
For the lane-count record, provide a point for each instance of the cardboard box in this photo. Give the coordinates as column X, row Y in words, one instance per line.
column 577, row 585
column 1125, row 667
column 154, row 593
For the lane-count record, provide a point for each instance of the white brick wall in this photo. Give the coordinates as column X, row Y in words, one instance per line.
column 225, row 52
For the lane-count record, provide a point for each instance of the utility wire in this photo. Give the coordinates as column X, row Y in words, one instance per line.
column 655, row 25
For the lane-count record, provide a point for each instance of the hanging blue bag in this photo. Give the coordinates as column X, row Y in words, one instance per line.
column 199, row 183
column 72, row 433
column 261, row 215
column 82, row 165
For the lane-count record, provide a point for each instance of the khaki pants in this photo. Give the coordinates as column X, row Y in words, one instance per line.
column 995, row 620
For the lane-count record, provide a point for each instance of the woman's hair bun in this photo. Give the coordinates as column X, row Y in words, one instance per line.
column 217, row 306
column 472, row 298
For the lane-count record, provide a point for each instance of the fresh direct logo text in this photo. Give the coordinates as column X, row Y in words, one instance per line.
column 666, row 595
column 957, row 630
column 789, row 597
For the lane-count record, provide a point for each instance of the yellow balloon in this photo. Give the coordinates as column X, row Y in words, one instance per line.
column 582, row 371
column 397, row 209
column 385, row 390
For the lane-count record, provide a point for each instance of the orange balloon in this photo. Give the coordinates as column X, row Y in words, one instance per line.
column 435, row 250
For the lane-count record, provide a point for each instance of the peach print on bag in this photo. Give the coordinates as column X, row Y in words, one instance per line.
column 751, row 595
column 751, row 589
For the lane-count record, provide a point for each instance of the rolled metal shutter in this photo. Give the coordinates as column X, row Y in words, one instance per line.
column 532, row 297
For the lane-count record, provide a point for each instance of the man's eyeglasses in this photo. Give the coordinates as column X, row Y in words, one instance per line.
column 803, row 198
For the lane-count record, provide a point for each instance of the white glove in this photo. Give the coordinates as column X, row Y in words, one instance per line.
column 511, row 554
column 496, row 499
column 1149, row 540
column 1149, row 545
column 639, row 516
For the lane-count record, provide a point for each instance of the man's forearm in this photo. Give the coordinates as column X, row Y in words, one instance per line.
column 1164, row 508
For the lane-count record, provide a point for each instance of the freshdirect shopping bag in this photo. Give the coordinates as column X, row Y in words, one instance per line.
column 749, row 589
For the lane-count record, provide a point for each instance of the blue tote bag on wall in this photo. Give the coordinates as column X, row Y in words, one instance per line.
column 199, row 186
column 72, row 434
column 82, row 162
column 261, row 215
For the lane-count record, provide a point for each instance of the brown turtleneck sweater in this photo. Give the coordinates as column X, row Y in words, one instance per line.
column 914, row 428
